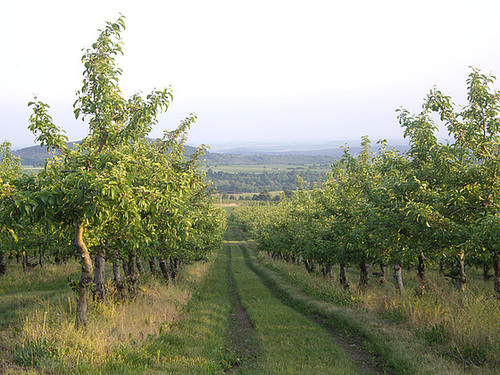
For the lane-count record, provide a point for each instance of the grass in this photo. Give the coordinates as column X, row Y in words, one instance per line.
column 289, row 342
column 461, row 331
column 186, row 327
column 38, row 334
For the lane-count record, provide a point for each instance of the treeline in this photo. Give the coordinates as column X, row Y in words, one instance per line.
column 215, row 159
column 274, row 181
column 439, row 204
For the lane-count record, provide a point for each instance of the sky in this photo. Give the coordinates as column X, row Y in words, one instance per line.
column 252, row 71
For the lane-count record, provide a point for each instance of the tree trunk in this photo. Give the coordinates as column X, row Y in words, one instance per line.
column 3, row 264
column 309, row 264
column 164, row 270
column 328, row 272
column 421, row 278
column 99, row 276
column 496, row 270
column 152, row 265
column 343, row 277
column 26, row 262
column 486, row 272
column 175, row 264
column 461, row 278
column 117, row 279
column 139, row 264
column 40, row 259
column 381, row 275
column 125, row 266
column 364, row 277
column 398, row 278
column 133, row 275
column 82, row 304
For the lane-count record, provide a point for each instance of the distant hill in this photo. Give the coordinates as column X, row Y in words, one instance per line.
column 36, row 155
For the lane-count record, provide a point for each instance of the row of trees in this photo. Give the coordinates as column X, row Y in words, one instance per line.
column 116, row 195
column 437, row 203
column 251, row 182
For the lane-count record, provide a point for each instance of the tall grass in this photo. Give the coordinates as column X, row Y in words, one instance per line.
column 38, row 324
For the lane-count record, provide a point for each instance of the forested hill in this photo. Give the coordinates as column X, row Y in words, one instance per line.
column 36, row 155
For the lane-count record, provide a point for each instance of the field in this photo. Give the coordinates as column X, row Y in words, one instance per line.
column 269, row 168
column 243, row 312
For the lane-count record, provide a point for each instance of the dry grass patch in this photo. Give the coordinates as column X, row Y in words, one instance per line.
column 45, row 337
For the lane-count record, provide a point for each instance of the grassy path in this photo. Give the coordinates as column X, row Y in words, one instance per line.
column 373, row 344
column 287, row 342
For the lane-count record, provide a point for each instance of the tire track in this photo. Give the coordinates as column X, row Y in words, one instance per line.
column 241, row 331
column 355, row 345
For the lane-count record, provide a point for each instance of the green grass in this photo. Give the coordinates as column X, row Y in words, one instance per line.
column 414, row 332
column 289, row 342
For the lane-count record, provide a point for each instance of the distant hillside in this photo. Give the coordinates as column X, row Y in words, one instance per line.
column 36, row 155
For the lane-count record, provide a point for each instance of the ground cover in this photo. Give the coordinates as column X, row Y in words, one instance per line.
column 289, row 342
column 241, row 312
column 421, row 333
column 38, row 333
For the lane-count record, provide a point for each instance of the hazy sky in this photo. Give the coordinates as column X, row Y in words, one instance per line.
column 252, row 70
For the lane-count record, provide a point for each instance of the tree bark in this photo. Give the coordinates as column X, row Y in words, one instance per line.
column 3, row 264
column 461, row 278
column 486, row 272
column 164, row 269
column 309, row 264
column 421, row 278
column 82, row 304
column 343, row 277
column 364, row 277
column 496, row 270
column 139, row 264
column 398, row 278
column 26, row 262
column 152, row 265
column 175, row 265
column 117, row 279
column 125, row 266
column 99, row 276
column 133, row 275
column 381, row 275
